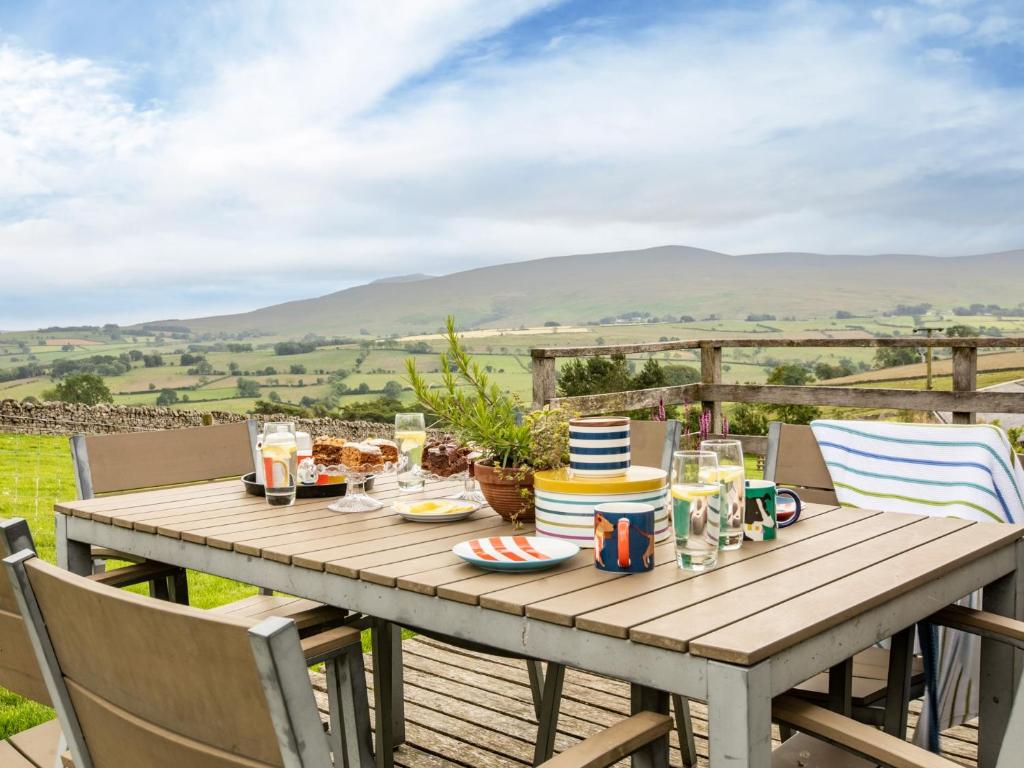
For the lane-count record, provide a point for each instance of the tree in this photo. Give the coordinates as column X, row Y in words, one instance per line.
column 274, row 397
column 393, row 389
column 595, row 375
column 234, row 368
column 247, row 387
column 152, row 386
column 961, row 330
column 135, row 355
column 676, row 374
column 167, row 397
column 382, row 410
column 790, row 374
column 551, row 324
column 890, row 357
column 85, row 388
column 297, row 368
column 154, row 360
column 363, row 388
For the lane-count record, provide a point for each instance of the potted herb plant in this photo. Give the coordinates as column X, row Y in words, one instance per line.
column 472, row 406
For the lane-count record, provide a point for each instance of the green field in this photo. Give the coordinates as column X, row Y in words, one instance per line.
column 375, row 362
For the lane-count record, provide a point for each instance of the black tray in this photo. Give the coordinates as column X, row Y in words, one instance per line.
column 301, row 491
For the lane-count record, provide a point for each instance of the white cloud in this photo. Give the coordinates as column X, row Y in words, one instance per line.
column 795, row 129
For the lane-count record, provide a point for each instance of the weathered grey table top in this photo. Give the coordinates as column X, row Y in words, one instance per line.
column 833, row 565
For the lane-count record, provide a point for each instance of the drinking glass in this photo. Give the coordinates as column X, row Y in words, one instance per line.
column 694, row 509
column 411, row 435
column 733, row 500
column 279, row 452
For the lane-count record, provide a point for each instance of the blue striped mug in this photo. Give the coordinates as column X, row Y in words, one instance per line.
column 599, row 446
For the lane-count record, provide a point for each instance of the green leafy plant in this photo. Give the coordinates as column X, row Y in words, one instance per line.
column 472, row 406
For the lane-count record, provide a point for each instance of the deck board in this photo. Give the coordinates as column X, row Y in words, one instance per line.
column 465, row 708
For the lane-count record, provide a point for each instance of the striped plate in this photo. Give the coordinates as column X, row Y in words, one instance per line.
column 515, row 553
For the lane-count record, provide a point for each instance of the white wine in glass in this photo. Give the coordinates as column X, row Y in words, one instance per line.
column 411, row 436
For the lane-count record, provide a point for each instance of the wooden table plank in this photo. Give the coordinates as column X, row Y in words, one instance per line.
column 565, row 609
column 84, row 507
column 735, row 572
column 786, row 624
column 515, row 599
column 470, row 589
column 321, row 555
column 779, row 582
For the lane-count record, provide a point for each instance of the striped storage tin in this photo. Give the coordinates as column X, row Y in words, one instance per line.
column 599, row 446
column 565, row 502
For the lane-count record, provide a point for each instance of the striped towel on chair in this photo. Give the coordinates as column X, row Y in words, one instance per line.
column 943, row 470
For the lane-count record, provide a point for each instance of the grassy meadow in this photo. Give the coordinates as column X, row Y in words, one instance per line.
column 373, row 363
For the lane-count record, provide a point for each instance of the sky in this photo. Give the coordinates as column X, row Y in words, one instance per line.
column 173, row 158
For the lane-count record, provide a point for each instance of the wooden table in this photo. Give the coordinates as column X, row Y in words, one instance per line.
column 770, row 616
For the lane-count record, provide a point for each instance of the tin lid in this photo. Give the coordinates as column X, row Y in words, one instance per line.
column 636, row 479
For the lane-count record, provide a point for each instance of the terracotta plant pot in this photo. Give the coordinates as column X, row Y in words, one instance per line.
column 508, row 490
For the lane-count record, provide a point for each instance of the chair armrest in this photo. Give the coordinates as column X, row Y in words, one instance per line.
column 864, row 740
column 614, row 743
column 983, row 623
column 329, row 643
column 134, row 574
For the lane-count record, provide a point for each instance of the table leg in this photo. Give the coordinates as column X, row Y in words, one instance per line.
column 740, row 715
column 840, row 688
column 897, row 692
column 655, row 754
column 1001, row 664
column 387, row 690
column 74, row 556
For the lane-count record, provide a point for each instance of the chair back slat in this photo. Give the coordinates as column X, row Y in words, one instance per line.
column 652, row 443
column 122, row 462
column 19, row 670
column 794, row 460
column 116, row 737
column 144, row 673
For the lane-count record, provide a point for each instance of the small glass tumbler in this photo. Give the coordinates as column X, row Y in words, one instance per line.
column 411, row 436
column 732, row 475
column 695, row 505
column 279, row 453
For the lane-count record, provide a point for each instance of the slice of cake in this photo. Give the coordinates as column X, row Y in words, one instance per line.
column 388, row 448
column 445, row 457
column 327, row 451
column 362, row 457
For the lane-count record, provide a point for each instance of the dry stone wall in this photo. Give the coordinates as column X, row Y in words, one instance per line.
column 70, row 418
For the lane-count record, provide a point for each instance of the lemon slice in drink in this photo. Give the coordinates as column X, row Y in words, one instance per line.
column 691, row 492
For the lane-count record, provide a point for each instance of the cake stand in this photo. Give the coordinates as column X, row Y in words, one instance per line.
column 356, row 499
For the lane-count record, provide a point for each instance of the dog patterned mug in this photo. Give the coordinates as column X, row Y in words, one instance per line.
column 624, row 537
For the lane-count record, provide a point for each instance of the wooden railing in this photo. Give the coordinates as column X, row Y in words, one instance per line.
column 964, row 402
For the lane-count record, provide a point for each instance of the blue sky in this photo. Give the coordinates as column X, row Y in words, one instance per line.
column 173, row 159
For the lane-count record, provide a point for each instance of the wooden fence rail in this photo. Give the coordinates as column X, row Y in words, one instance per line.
column 965, row 401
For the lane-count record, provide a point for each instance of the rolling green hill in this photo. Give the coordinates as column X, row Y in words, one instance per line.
column 665, row 280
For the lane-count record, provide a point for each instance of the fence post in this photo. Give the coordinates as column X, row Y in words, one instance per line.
column 543, row 380
column 711, row 373
column 965, row 379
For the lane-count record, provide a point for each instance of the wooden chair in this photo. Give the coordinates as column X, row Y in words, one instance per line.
column 794, row 460
column 829, row 739
column 618, row 741
column 652, row 443
column 119, row 463
column 145, row 682
column 36, row 747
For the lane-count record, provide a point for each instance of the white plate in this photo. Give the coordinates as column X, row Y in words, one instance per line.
column 459, row 510
column 515, row 553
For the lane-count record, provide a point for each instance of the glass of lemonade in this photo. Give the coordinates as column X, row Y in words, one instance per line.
column 280, row 454
column 695, row 506
column 731, row 475
column 411, row 435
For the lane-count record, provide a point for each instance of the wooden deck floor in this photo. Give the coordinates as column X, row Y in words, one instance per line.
column 468, row 709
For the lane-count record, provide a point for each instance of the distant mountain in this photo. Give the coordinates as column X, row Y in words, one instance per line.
column 668, row 279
